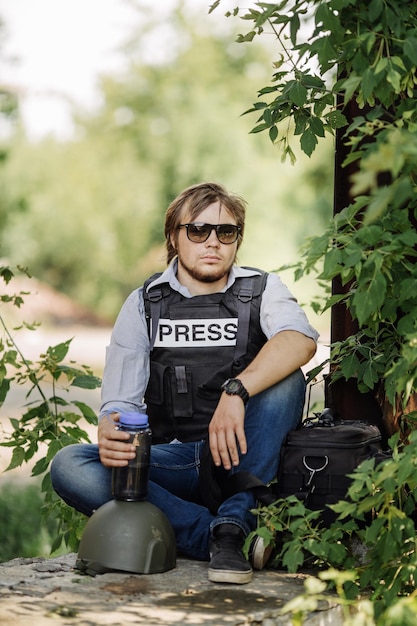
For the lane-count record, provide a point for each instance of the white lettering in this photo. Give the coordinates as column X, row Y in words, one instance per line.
column 198, row 332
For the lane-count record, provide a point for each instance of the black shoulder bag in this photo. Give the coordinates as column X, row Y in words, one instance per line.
column 315, row 461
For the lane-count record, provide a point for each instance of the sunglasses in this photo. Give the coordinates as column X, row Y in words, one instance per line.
column 198, row 232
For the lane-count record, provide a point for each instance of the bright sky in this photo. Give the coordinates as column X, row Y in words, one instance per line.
column 60, row 47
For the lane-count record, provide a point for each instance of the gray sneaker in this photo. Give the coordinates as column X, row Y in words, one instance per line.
column 227, row 563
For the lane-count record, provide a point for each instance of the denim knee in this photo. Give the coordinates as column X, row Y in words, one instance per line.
column 79, row 477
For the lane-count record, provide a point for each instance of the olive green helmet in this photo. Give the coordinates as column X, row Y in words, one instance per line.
column 127, row 537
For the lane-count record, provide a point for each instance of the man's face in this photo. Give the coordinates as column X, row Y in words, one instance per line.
column 208, row 262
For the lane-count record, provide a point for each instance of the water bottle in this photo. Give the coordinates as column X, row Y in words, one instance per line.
column 131, row 481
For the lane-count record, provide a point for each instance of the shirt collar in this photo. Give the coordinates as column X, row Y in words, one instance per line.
column 170, row 276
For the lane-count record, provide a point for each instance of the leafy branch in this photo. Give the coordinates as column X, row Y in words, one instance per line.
column 49, row 421
column 368, row 554
column 351, row 67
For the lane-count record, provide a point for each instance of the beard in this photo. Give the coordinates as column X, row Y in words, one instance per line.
column 205, row 276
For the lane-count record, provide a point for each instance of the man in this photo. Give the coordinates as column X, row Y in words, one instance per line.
column 209, row 350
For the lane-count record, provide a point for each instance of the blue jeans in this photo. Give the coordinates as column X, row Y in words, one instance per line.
column 81, row 480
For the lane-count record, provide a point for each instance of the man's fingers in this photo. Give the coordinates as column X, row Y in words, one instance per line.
column 224, row 450
column 115, row 456
column 219, row 450
column 214, row 449
column 114, row 450
column 241, row 439
column 232, row 450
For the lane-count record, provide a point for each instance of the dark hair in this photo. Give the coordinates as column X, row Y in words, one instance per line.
column 195, row 199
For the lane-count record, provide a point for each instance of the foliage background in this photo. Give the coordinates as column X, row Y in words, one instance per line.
column 86, row 215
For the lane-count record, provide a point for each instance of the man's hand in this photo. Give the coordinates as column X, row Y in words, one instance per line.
column 226, row 431
column 279, row 357
column 113, row 449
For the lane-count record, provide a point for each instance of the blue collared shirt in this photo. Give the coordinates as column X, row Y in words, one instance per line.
column 126, row 371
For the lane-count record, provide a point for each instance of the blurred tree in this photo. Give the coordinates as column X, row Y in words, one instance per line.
column 8, row 116
column 94, row 220
column 23, row 531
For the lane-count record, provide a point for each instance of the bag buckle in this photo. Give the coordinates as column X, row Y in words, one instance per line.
column 313, row 471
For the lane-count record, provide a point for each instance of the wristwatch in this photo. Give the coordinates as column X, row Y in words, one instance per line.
column 234, row 387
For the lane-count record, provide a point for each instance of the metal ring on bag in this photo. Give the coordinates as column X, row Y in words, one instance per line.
column 319, row 469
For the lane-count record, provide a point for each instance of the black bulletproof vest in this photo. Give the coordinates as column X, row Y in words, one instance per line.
column 196, row 344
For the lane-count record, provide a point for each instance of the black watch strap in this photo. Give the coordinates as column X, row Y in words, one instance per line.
column 235, row 387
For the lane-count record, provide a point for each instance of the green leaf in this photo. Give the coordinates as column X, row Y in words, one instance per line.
column 298, row 94
column 246, row 38
column 331, row 264
column 86, row 382
column 326, row 54
column 394, row 78
column 350, row 366
column 18, row 457
column 368, row 83
column 15, row 423
column 87, row 412
column 308, row 142
column 314, row 82
column 259, row 128
column 214, row 6
column 349, row 86
column 379, row 204
column 336, row 119
column 6, row 274
column 54, row 446
column 334, row 299
column 407, row 325
column 409, row 238
column 316, row 126
column 4, row 389
column 381, row 65
column 40, row 466
column 273, row 133
column 294, row 28
column 300, row 120
column 56, row 543
column 410, row 49
column 370, row 298
column 60, row 351
column 375, row 9
column 369, row 375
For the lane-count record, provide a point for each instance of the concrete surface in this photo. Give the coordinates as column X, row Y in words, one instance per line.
column 50, row 592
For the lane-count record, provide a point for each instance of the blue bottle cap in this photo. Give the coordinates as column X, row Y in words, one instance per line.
column 132, row 418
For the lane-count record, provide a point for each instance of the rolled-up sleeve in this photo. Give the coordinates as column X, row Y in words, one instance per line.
column 280, row 311
column 126, row 371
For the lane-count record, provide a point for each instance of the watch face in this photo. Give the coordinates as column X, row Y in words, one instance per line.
column 233, row 385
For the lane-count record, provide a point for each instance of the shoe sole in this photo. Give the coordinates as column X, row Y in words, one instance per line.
column 259, row 554
column 229, row 576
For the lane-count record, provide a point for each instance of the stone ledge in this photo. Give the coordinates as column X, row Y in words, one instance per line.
column 47, row 592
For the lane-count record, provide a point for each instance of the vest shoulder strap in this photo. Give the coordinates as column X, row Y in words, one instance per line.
column 246, row 289
column 153, row 304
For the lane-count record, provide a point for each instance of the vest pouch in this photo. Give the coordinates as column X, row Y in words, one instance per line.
column 170, row 387
column 178, row 378
column 155, row 391
column 163, row 425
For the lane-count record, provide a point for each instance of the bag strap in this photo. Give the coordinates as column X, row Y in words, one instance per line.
column 266, row 495
column 243, row 481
